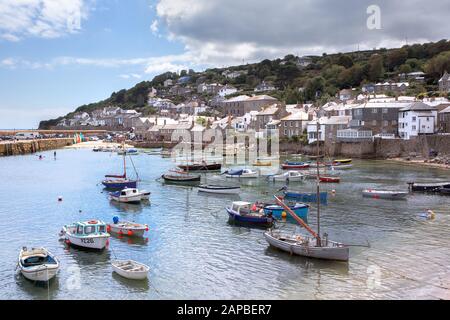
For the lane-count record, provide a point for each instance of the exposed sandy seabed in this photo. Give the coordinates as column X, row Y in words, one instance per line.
column 421, row 163
column 96, row 144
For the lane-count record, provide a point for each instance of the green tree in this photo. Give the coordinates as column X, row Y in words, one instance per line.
column 375, row 68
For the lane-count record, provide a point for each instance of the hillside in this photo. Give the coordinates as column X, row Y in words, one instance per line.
column 319, row 81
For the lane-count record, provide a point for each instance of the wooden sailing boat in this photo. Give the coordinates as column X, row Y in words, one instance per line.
column 312, row 246
column 119, row 182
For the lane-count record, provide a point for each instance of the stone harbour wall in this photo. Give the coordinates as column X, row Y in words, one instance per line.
column 32, row 146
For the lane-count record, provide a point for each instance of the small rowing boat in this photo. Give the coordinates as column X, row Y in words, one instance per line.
column 384, row 194
column 218, row 189
column 130, row 269
column 180, row 177
column 38, row 264
column 343, row 161
column 290, row 176
column 279, row 213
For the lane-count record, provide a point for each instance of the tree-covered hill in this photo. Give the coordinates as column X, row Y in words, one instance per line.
column 320, row 81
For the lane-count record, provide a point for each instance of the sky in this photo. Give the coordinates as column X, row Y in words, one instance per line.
column 56, row 55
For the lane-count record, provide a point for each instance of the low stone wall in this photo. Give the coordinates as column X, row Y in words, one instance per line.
column 32, row 146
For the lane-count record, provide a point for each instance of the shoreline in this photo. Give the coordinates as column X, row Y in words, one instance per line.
column 420, row 163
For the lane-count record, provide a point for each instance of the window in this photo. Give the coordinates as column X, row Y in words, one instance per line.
column 385, row 123
column 89, row 229
column 374, row 110
column 394, row 122
column 385, row 110
column 101, row 229
column 414, row 119
column 374, row 122
column 413, row 127
column 80, row 230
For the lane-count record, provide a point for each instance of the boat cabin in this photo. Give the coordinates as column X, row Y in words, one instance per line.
column 88, row 228
column 242, row 208
column 127, row 192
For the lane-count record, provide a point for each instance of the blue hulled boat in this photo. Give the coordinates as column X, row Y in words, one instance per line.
column 300, row 210
column 241, row 212
column 119, row 182
column 306, row 197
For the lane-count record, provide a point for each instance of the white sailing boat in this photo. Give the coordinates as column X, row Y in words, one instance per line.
column 313, row 245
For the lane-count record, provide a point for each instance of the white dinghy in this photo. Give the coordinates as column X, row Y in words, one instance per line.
column 130, row 269
column 289, row 176
column 385, row 194
column 38, row 264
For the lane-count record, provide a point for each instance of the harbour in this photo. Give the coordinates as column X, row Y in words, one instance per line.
column 194, row 252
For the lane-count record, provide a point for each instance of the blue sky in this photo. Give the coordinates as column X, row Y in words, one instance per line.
column 50, row 64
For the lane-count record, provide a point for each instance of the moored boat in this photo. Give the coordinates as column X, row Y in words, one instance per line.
column 242, row 212
column 329, row 179
column 241, row 173
column 445, row 191
column 127, row 195
column 279, row 213
column 119, row 182
column 89, row 234
column 130, row 269
column 38, row 264
column 306, row 197
column 201, row 167
column 219, row 189
column 130, row 152
column 180, row 177
column 295, row 165
column 343, row 161
column 126, row 228
column 428, row 187
column 290, row 176
column 260, row 163
column 384, row 194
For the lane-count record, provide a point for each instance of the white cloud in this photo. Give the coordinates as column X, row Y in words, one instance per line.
column 130, row 76
column 41, row 18
column 217, row 32
column 154, row 27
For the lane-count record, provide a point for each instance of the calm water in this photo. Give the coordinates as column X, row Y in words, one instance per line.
column 194, row 253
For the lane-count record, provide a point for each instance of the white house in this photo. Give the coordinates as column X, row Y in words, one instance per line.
column 264, row 86
column 328, row 128
column 168, row 83
column 417, row 118
column 227, row 90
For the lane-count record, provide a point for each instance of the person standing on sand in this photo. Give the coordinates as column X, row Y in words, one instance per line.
column 54, row 155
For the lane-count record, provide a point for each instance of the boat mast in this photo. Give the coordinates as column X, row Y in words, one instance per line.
column 318, row 242
column 124, row 160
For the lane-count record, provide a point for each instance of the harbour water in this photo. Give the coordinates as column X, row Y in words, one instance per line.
column 194, row 253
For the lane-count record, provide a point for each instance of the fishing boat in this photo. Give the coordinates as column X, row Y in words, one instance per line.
column 260, row 163
column 313, row 245
column 384, row 194
column 129, row 195
column 126, row 228
column 428, row 187
column 37, row 264
column 180, row 177
column 201, row 167
column 119, row 182
column 208, row 188
column 329, row 179
column 242, row 212
column 289, row 176
column 279, row 213
column 295, row 165
column 241, row 173
column 89, row 234
column 130, row 269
